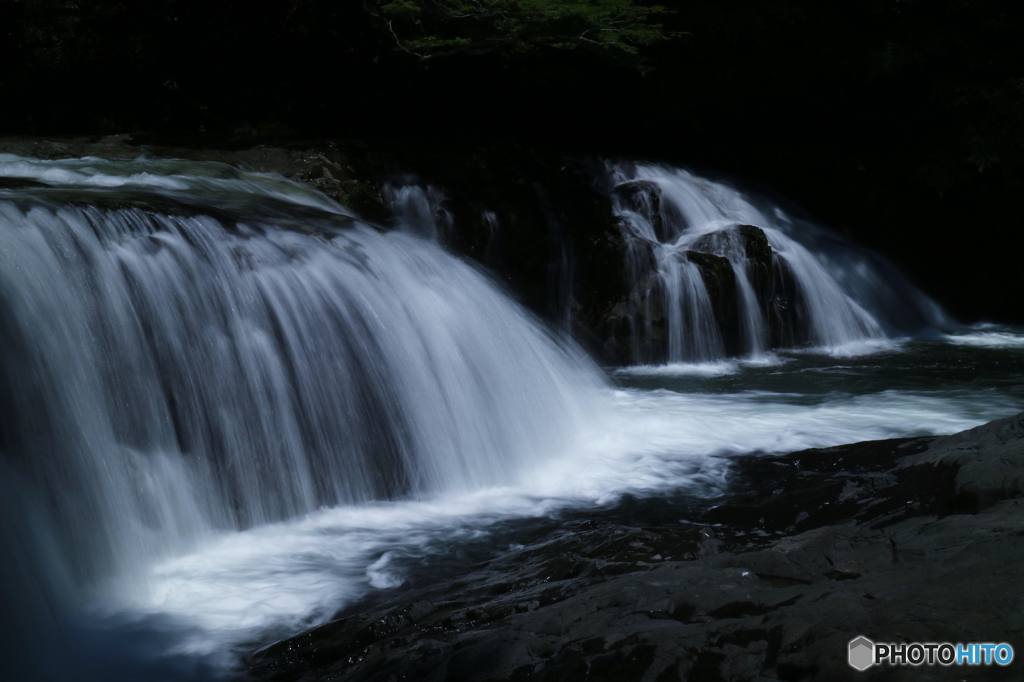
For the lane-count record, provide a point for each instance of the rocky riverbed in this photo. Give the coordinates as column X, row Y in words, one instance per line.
column 898, row 540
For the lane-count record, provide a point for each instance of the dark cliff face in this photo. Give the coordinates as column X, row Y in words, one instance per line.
column 551, row 234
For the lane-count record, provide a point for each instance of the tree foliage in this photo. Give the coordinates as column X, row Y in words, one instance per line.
column 428, row 29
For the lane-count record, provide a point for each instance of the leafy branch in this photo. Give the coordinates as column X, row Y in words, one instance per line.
column 429, row 29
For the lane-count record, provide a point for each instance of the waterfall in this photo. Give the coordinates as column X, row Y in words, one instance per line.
column 190, row 354
column 714, row 272
column 418, row 208
column 186, row 349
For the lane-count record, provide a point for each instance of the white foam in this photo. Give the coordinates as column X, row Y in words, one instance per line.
column 291, row 575
column 703, row 369
column 993, row 339
column 853, row 349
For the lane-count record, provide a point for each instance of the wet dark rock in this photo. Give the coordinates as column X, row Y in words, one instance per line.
column 644, row 197
column 757, row 255
column 887, row 539
column 637, row 326
column 760, row 264
column 788, row 318
column 420, row 610
column 720, row 281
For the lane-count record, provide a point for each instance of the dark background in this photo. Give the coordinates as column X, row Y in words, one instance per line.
column 897, row 122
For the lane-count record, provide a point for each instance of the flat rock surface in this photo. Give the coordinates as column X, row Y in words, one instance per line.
column 900, row 541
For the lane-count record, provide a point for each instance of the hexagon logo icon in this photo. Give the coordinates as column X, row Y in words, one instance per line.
column 862, row 653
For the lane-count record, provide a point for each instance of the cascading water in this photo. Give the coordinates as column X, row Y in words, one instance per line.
column 228, row 408
column 166, row 374
column 777, row 281
column 418, row 208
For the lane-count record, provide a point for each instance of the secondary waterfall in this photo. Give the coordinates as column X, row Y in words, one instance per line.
column 716, row 272
column 186, row 349
column 418, row 209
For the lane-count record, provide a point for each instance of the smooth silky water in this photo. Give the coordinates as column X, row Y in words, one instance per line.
column 231, row 409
